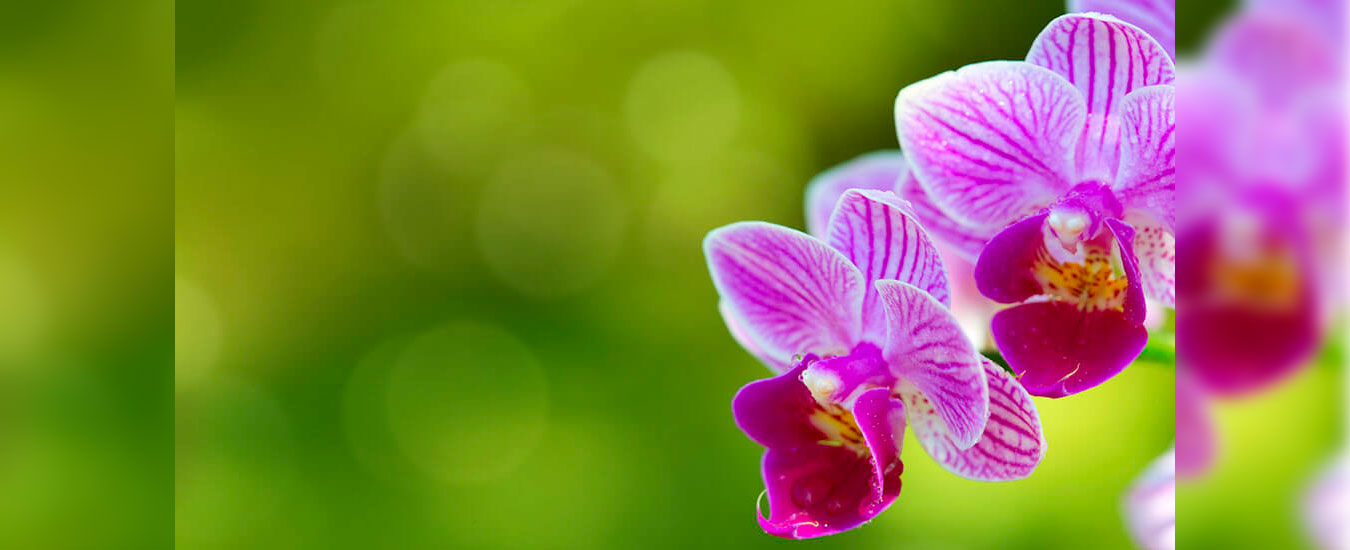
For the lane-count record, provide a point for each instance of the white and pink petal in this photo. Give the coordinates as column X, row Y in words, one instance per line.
column 791, row 293
column 1147, row 177
column 930, row 355
column 1105, row 59
column 963, row 239
column 1011, row 446
column 991, row 142
column 1158, row 18
column 873, row 230
column 878, row 171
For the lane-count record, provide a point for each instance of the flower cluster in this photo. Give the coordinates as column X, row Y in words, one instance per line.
column 1033, row 201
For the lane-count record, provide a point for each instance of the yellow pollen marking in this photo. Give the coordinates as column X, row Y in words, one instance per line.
column 1092, row 285
column 1269, row 281
column 839, row 427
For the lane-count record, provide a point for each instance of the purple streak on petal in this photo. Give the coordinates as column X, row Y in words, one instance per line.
column 964, row 239
column 1105, row 58
column 792, row 293
column 747, row 341
column 879, row 171
column 1135, row 307
column 1057, row 349
column 1156, row 17
column 1195, row 437
column 873, row 231
column 1147, row 177
column 1150, row 506
column 1012, row 444
column 1003, row 273
column 816, row 489
column 927, row 349
column 992, row 141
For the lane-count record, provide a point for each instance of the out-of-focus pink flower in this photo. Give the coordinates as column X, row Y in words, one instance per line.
column 1150, row 506
column 1326, row 506
column 1196, row 441
column 1262, row 198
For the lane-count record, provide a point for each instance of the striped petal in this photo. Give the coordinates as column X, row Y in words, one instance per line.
column 873, row 231
column 1012, row 444
column 791, row 293
column 964, row 239
column 932, row 357
column 1105, row 58
column 1147, row 177
column 1158, row 18
column 990, row 142
column 879, row 171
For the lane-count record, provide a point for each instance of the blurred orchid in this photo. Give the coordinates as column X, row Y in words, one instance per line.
column 1326, row 505
column 857, row 327
column 1150, row 505
column 1196, row 436
column 1067, row 159
column 1263, row 196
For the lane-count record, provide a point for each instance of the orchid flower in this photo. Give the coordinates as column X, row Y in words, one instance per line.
column 1068, row 159
column 857, row 328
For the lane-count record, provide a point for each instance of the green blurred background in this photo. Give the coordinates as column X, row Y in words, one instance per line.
column 438, row 280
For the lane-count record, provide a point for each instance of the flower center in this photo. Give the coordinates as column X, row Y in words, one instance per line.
column 835, row 384
column 1092, row 283
column 1080, row 214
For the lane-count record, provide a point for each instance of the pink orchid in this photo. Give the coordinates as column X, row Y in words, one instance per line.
column 1066, row 162
column 857, row 328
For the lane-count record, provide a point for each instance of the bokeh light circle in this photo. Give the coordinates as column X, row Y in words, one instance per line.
column 25, row 316
column 682, row 106
column 473, row 112
column 236, row 479
column 198, row 333
column 580, row 490
column 422, row 210
column 365, row 415
column 692, row 200
column 467, row 403
column 551, row 223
